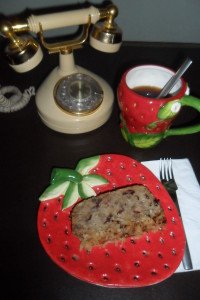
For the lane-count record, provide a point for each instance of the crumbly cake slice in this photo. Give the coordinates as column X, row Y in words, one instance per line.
column 115, row 215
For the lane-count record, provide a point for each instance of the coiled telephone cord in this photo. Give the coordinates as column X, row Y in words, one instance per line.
column 17, row 100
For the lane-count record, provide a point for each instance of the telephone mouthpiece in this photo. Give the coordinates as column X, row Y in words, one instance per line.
column 24, row 56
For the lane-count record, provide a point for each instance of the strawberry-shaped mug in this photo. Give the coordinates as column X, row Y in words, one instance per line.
column 145, row 119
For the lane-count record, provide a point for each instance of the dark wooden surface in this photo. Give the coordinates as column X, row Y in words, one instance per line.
column 29, row 150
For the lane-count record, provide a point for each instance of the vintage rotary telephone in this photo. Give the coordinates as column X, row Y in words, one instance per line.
column 71, row 99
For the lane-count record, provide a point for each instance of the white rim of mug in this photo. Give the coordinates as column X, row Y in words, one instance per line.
column 129, row 77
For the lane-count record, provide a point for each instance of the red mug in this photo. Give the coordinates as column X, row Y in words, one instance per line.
column 146, row 120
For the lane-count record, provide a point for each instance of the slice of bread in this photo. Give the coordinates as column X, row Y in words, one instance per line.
column 116, row 215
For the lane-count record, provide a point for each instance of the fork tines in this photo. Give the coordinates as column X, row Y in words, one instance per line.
column 165, row 169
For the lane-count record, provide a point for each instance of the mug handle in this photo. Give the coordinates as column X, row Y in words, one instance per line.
column 186, row 101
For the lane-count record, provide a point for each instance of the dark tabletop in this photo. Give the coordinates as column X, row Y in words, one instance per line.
column 29, row 150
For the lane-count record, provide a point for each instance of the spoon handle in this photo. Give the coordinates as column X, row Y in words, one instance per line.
column 173, row 80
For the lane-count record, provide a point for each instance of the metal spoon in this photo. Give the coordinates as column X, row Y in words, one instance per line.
column 173, row 80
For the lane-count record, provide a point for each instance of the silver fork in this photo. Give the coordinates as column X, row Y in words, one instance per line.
column 167, row 179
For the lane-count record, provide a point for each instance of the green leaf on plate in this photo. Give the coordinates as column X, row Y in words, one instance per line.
column 86, row 164
column 71, row 195
column 54, row 190
column 94, row 179
column 74, row 184
column 59, row 174
column 85, row 190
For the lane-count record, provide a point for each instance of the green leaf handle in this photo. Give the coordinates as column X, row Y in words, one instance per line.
column 186, row 101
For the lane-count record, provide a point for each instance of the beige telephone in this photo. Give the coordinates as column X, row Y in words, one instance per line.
column 71, row 99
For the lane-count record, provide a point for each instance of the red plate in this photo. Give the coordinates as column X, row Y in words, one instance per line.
column 134, row 263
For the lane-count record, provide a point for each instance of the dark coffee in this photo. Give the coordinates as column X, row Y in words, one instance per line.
column 149, row 91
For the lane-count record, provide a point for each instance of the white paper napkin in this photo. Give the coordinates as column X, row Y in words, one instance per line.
column 188, row 194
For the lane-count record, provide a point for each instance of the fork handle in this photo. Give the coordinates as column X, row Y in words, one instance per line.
column 187, row 261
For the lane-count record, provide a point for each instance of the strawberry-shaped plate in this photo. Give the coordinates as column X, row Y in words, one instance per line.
column 134, row 263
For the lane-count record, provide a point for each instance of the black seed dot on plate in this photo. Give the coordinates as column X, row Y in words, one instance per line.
column 49, row 239
column 59, row 199
column 169, row 208
column 122, row 166
column 162, row 241
column 153, row 272
column 173, row 251
column 136, row 278
column 144, row 252
column 117, row 269
column 128, row 178
column 66, row 231
column 108, row 172
column 132, row 241
column 75, row 257
column 62, row 258
column 137, row 264
column 90, row 267
column 166, row 266
column 66, row 246
column 148, row 239
column 123, row 250
column 44, row 224
column 105, row 277
column 173, row 220
column 45, row 208
column 172, row 234
column 107, row 254
column 55, row 217
column 160, row 255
